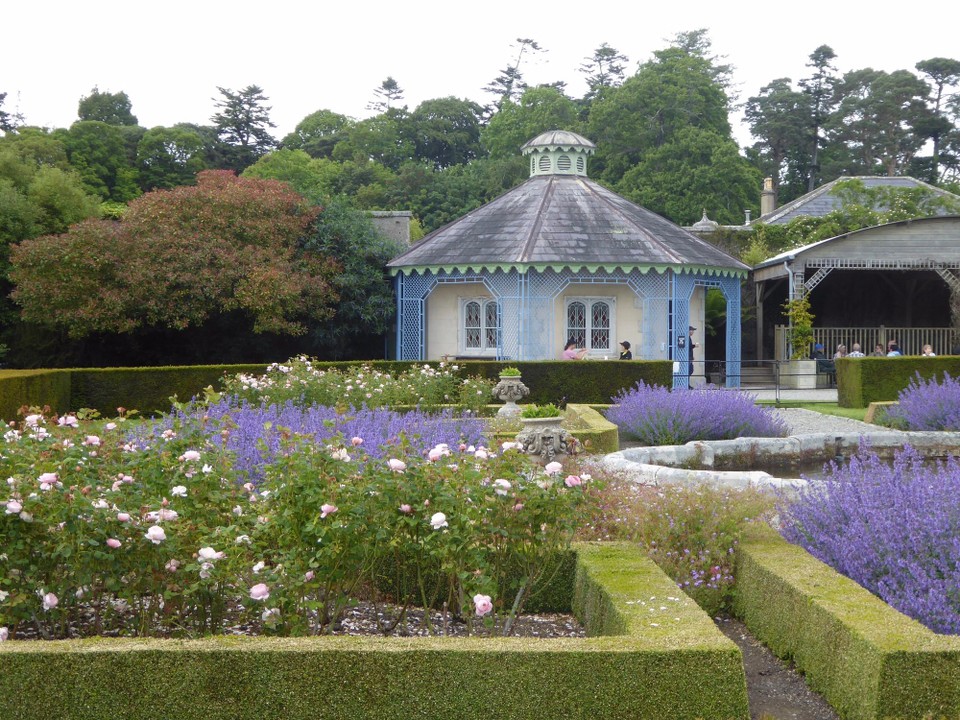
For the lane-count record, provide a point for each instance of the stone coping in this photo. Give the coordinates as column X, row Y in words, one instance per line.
column 702, row 462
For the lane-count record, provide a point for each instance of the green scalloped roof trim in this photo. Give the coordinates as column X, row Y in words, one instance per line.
column 573, row 267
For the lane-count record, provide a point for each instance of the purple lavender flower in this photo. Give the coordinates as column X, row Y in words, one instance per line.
column 928, row 404
column 253, row 433
column 658, row 416
column 893, row 529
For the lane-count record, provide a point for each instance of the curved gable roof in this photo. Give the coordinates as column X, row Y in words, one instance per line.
column 563, row 221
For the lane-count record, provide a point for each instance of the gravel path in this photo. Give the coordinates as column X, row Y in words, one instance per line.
column 806, row 422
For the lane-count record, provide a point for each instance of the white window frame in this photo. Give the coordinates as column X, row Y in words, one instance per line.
column 588, row 302
column 486, row 349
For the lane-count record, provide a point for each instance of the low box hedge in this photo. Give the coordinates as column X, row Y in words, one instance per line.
column 655, row 655
column 861, row 381
column 864, row 657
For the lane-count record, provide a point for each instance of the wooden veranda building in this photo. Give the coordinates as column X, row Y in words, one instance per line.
column 900, row 275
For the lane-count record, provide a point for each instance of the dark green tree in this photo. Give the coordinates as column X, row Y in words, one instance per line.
column 605, row 68
column 9, row 122
column 318, row 133
column 779, row 117
column 242, row 123
column 943, row 73
column 367, row 302
column 538, row 110
column 101, row 155
column 446, row 131
column 168, row 157
column 676, row 89
column 106, row 107
column 509, row 85
column 820, row 88
column 388, row 94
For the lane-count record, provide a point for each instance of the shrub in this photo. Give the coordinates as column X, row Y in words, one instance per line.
column 540, row 411
column 928, row 405
column 655, row 415
column 300, row 381
column 158, row 534
column 893, row 529
column 691, row 533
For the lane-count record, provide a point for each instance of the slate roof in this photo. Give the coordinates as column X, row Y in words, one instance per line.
column 822, row 201
column 563, row 221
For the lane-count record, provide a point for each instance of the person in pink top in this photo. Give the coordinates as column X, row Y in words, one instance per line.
column 572, row 352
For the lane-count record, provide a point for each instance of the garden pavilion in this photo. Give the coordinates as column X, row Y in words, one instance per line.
column 561, row 257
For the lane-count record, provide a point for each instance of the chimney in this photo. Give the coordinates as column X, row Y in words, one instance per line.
column 768, row 198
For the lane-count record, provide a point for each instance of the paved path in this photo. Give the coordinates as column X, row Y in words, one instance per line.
column 807, row 422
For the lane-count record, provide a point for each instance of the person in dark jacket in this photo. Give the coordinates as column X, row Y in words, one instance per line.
column 625, row 353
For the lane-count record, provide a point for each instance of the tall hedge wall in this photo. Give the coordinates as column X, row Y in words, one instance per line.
column 861, row 381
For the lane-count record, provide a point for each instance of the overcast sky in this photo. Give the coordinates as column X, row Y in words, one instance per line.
column 169, row 57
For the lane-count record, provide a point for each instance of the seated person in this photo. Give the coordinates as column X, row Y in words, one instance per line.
column 572, row 352
column 824, row 364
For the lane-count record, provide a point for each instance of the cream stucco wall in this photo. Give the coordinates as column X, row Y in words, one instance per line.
column 443, row 317
column 627, row 317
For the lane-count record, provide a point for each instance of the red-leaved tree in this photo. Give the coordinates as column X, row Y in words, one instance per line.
column 179, row 257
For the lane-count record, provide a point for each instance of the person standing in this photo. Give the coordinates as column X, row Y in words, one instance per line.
column 572, row 352
column 625, row 353
column 692, row 346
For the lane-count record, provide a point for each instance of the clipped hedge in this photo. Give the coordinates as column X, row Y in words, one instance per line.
column 864, row 657
column 149, row 389
column 589, row 382
column 861, row 381
column 677, row 665
column 31, row 388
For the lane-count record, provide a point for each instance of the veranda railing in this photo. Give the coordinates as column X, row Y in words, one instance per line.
column 911, row 340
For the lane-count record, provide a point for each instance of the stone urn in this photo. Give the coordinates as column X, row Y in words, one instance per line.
column 546, row 439
column 509, row 390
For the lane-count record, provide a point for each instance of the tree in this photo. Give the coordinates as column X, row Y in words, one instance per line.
column 100, row 154
column 168, row 157
column 877, row 119
column 820, row 88
column 676, row 89
column 446, row 131
column 698, row 169
column 318, row 133
column 385, row 138
column 509, row 84
column 242, row 123
column 779, row 117
column 9, row 122
column 538, row 110
column 603, row 69
column 387, row 94
column 943, row 73
column 110, row 108
column 178, row 258
column 367, row 303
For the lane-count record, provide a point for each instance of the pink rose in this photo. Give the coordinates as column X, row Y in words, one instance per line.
column 327, row 509
column 14, row 507
column 123, row 517
column 405, row 509
column 50, row 601
column 155, row 534
column 189, row 455
column 501, row 486
column 572, row 481
column 4, row 634
column 113, row 543
column 483, row 604
column 356, row 441
column 260, row 591
column 438, row 520
column 397, row 465
column 552, row 468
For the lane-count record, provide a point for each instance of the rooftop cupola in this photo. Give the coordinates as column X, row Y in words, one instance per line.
column 558, row 152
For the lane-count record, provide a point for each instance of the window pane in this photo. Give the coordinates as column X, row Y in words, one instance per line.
column 473, row 337
column 472, row 315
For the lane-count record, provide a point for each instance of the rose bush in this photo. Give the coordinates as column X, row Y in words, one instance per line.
column 157, row 530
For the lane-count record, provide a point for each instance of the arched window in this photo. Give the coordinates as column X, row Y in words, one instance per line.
column 590, row 323
column 544, row 163
column 563, row 163
column 479, row 326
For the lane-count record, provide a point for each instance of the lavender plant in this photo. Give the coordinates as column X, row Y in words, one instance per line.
column 893, row 529
column 253, row 433
column 928, row 405
column 656, row 415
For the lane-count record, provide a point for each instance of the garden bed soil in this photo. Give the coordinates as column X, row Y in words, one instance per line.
column 775, row 690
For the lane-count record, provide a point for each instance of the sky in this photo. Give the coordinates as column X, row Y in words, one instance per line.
column 171, row 57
